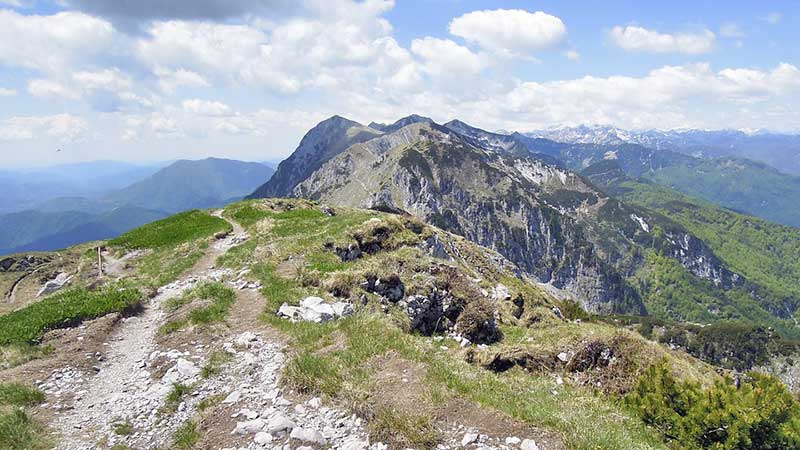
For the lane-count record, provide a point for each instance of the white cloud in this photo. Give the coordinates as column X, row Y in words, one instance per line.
column 510, row 32
column 51, row 89
column 169, row 80
column 731, row 30
column 772, row 18
column 108, row 79
column 572, row 55
column 205, row 107
column 672, row 96
column 64, row 127
column 638, row 39
column 445, row 58
column 6, row 92
column 51, row 43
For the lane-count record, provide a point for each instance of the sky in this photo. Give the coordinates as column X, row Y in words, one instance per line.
column 156, row 80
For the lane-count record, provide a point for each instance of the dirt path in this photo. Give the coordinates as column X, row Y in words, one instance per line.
column 124, row 389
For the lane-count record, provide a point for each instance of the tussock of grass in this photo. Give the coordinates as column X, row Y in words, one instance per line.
column 123, row 428
column 19, row 432
column 219, row 297
column 403, row 430
column 180, row 228
column 175, row 397
column 214, row 364
column 16, row 394
column 64, row 309
column 185, row 437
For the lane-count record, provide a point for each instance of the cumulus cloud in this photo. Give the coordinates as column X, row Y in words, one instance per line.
column 6, row 92
column 205, row 107
column 443, row 57
column 510, row 32
column 665, row 97
column 129, row 15
column 51, row 43
column 64, row 127
column 51, row 89
column 638, row 39
column 169, row 80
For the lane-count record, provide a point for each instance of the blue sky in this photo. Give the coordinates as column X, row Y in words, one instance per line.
column 155, row 80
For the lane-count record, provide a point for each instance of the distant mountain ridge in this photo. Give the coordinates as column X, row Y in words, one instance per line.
column 60, row 222
column 781, row 151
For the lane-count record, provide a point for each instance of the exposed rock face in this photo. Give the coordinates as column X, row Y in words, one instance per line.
column 549, row 221
column 322, row 142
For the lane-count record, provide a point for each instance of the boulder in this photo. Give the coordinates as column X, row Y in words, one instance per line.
column 424, row 313
column 250, row 426
column 309, row 436
column 279, row 424
column 501, row 293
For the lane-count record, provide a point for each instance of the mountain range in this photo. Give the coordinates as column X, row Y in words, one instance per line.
column 527, row 198
column 59, row 222
column 780, row 151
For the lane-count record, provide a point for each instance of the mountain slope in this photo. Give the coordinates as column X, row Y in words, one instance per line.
column 326, row 140
column 762, row 251
column 547, row 220
column 739, row 184
column 193, row 184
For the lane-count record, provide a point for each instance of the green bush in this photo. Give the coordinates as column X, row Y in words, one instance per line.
column 761, row 414
column 64, row 309
column 184, row 227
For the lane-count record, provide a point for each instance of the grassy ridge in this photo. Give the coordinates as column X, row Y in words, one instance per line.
column 336, row 359
column 64, row 309
column 184, row 227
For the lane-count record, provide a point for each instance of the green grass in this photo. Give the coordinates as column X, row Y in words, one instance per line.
column 185, row 437
column 123, row 428
column 19, row 432
column 586, row 420
column 16, row 394
column 175, row 397
column 64, row 309
column 180, row 228
column 218, row 295
column 216, row 360
column 404, row 430
column 247, row 214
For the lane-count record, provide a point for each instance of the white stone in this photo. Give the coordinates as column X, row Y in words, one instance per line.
column 250, row 426
column 187, row 369
column 233, row 397
column 529, row 444
column 563, row 357
column 279, row 423
column 262, row 438
column 309, row 435
column 354, row 444
column 513, row 440
column 469, row 438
